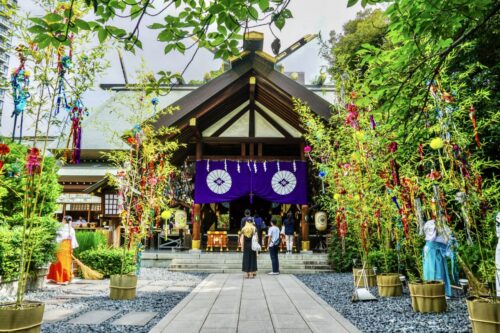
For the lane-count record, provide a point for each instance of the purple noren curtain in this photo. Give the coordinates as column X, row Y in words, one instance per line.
column 221, row 181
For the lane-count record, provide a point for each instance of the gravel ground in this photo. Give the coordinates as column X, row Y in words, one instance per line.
column 388, row 314
column 94, row 296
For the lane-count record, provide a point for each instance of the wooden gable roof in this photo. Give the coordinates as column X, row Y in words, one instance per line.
column 225, row 93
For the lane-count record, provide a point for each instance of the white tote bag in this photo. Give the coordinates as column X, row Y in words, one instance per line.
column 255, row 243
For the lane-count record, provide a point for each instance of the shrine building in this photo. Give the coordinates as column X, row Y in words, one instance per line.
column 243, row 149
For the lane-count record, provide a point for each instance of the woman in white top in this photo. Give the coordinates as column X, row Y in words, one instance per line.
column 61, row 271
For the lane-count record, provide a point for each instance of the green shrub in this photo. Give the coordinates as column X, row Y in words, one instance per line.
column 9, row 254
column 88, row 240
column 342, row 261
column 108, row 261
column 43, row 236
column 385, row 262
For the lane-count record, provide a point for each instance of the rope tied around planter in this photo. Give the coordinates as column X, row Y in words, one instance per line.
column 485, row 321
column 390, row 285
column 21, row 328
column 425, row 296
column 117, row 287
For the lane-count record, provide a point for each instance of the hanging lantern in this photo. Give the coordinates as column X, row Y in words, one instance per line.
column 320, row 221
column 180, row 219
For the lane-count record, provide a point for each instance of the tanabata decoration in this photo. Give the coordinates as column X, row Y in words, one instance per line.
column 393, row 146
column 434, row 255
column 19, row 81
column 352, row 116
column 76, row 115
column 33, row 161
column 64, row 64
column 307, row 151
column 472, row 115
column 155, row 102
column 4, row 150
column 340, row 219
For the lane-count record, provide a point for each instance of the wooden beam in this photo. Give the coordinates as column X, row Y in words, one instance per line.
column 239, row 158
column 252, row 149
column 251, row 124
column 273, row 122
column 259, row 149
column 237, row 140
column 231, row 121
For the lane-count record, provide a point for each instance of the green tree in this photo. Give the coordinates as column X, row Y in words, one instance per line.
column 346, row 68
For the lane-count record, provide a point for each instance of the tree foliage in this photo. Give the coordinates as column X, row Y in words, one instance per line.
column 422, row 124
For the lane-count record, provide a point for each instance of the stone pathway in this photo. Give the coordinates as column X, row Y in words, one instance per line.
column 229, row 303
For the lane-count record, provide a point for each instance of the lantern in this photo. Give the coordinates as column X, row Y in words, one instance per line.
column 180, row 218
column 320, row 221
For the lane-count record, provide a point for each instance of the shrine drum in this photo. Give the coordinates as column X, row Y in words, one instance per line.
column 180, row 218
column 320, row 221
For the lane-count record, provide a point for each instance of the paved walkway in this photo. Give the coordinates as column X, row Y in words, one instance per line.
column 229, row 303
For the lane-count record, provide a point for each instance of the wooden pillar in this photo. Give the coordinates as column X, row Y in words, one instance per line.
column 304, row 226
column 243, row 150
column 196, row 242
column 199, row 150
column 302, row 156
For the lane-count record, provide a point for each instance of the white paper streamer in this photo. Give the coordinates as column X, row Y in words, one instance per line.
column 225, row 165
column 208, row 165
column 278, row 163
column 265, row 166
column 238, row 167
column 255, row 166
column 248, row 165
column 294, row 166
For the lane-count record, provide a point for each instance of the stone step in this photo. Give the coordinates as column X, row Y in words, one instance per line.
column 260, row 260
column 217, row 254
column 238, row 270
column 238, row 265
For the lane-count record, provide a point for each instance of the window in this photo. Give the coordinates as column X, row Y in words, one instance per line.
column 111, row 204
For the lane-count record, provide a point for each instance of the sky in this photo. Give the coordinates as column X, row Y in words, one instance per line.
column 310, row 17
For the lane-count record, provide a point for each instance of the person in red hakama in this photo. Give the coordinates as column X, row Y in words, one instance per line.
column 61, row 271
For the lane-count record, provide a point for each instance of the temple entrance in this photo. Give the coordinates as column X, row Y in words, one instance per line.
column 237, row 210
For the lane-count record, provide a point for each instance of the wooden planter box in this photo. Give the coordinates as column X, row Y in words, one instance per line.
column 28, row 319
column 484, row 314
column 122, row 287
column 428, row 296
column 359, row 279
column 389, row 285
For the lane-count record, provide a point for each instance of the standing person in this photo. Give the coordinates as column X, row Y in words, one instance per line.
column 245, row 218
column 61, row 271
column 249, row 264
column 274, row 242
column 289, row 223
column 258, row 224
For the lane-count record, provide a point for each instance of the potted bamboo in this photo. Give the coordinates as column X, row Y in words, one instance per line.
column 142, row 180
column 27, row 174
